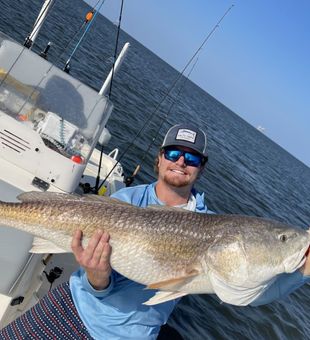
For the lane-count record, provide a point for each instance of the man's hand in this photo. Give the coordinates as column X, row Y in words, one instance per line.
column 305, row 269
column 95, row 258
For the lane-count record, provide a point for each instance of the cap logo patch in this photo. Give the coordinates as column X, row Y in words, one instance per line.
column 187, row 135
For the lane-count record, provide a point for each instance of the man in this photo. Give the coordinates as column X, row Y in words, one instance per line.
column 179, row 163
column 101, row 303
column 111, row 305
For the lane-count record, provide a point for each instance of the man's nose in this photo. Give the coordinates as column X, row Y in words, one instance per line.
column 181, row 161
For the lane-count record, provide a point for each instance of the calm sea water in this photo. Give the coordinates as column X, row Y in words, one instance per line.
column 247, row 172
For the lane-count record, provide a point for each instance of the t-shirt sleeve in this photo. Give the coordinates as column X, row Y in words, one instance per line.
column 89, row 288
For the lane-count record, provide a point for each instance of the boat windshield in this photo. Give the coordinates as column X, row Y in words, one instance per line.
column 68, row 115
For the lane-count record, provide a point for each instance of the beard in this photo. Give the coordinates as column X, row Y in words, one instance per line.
column 177, row 182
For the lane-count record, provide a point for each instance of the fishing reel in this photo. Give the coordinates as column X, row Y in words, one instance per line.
column 53, row 274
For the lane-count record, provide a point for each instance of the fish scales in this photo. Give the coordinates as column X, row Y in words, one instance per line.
column 160, row 232
column 167, row 248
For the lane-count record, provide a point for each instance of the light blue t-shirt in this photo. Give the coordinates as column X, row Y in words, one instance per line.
column 117, row 312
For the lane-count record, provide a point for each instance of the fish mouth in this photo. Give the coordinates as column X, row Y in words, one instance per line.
column 295, row 261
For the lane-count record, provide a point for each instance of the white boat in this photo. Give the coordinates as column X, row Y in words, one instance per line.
column 50, row 124
column 261, row 128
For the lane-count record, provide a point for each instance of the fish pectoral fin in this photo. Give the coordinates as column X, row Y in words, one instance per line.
column 42, row 246
column 161, row 297
column 175, row 283
column 235, row 295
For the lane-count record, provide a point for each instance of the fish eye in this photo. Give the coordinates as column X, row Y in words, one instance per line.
column 283, row 238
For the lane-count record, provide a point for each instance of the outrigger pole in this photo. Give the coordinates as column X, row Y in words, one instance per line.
column 105, row 87
column 38, row 23
column 149, row 118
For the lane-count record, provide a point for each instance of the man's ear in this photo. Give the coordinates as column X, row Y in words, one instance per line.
column 156, row 163
column 201, row 171
column 159, row 159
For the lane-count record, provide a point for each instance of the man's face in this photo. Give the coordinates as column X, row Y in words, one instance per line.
column 178, row 174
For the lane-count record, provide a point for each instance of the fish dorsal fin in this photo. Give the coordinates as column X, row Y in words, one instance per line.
column 49, row 196
column 161, row 297
column 105, row 199
column 163, row 208
column 42, row 246
column 174, row 283
column 35, row 196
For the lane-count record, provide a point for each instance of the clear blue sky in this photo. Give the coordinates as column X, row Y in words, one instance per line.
column 257, row 63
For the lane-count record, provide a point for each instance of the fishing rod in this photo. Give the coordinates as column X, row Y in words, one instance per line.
column 149, row 118
column 129, row 180
column 89, row 23
column 28, row 43
column 97, row 187
column 88, row 17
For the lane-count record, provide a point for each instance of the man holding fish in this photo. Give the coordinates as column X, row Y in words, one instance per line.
column 170, row 250
column 180, row 162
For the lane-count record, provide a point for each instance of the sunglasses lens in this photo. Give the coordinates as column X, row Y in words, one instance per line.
column 189, row 158
column 173, row 155
column 192, row 159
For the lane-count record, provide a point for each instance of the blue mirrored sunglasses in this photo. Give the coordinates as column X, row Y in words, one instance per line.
column 191, row 159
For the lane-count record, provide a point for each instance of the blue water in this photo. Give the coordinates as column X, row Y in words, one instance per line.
column 247, row 172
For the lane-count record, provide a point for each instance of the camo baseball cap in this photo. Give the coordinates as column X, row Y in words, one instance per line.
column 187, row 135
